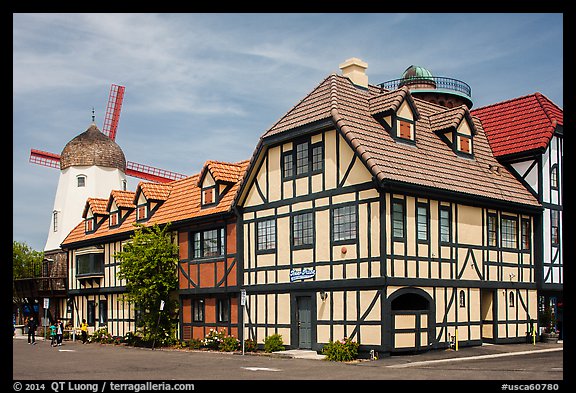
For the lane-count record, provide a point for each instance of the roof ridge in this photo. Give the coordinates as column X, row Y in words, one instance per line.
column 507, row 101
column 542, row 99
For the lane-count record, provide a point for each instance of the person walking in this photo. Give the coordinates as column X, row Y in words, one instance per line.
column 59, row 332
column 32, row 325
column 84, row 331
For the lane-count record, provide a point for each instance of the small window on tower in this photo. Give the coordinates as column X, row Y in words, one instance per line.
column 81, row 181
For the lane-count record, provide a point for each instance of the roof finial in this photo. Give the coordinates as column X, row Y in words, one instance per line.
column 93, row 116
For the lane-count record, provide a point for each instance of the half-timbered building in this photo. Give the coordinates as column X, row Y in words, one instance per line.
column 198, row 209
column 526, row 135
column 371, row 214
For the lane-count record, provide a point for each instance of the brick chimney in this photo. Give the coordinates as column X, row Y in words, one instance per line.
column 355, row 70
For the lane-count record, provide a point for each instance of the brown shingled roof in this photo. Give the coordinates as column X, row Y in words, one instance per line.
column 153, row 191
column 451, row 118
column 182, row 203
column 428, row 163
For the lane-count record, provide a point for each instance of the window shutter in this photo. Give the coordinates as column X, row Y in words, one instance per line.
column 404, row 130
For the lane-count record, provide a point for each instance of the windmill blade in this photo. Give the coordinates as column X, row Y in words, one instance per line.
column 45, row 158
column 113, row 109
column 151, row 173
column 133, row 169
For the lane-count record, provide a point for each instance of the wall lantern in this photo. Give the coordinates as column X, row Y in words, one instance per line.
column 323, row 295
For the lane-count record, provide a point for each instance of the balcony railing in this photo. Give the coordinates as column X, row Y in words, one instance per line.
column 40, row 286
column 441, row 82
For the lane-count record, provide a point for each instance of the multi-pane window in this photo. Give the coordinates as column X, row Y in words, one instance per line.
column 209, row 243
column 492, row 230
column 81, row 181
column 55, row 221
column 525, row 234
column 223, row 309
column 445, row 224
column 266, row 235
column 422, row 222
column 509, row 232
column 302, row 158
column 198, row 310
column 91, row 313
column 344, row 223
column 555, row 226
column 306, row 158
column 303, row 229
column 317, row 157
column 288, row 165
column 554, row 177
column 398, row 219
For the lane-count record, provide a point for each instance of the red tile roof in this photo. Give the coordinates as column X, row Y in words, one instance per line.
column 153, row 191
column 430, row 163
column 521, row 124
column 123, row 199
column 182, row 203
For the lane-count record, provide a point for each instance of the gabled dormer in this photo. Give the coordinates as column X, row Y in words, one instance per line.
column 94, row 214
column 148, row 198
column 215, row 180
column 397, row 113
column 120, row 204
column 456, row 128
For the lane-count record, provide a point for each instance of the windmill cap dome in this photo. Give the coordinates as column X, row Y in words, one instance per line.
column 92, row 148
column 415, row 71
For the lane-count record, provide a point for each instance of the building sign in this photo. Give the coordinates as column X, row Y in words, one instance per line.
column 303, row 274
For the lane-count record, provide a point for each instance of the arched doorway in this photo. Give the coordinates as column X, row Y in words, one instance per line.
column 411, row 313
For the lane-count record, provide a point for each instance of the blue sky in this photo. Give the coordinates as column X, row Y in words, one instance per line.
column 206, row 86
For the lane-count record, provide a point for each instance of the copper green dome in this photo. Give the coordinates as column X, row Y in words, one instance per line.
column 92, row 148
column 416, row 72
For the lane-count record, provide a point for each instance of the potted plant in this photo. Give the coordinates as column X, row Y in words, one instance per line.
column 550, row 334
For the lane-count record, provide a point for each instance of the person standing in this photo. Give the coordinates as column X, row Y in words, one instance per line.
column 84, row 331
column 32, row 325
column 59, row 332
column 52, row 335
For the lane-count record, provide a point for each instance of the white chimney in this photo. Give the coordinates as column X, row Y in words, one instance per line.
column 355, row 70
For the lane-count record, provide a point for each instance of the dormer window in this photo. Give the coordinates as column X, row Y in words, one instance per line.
column 209, row 195
column 405, row 130
column 89, row 225
column 141, row 212
column 114, row 218
column 465, row 144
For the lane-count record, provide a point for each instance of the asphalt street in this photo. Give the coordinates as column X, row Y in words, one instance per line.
column 76, row 361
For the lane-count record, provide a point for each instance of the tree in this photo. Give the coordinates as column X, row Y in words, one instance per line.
column 26, row 262
column 149, row 264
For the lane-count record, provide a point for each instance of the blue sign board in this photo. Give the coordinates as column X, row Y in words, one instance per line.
column 303, row 274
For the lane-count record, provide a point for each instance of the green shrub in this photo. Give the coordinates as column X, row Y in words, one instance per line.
column 101, row 336
column 213, row 339
column 229, row 344
column 194, row 343
column 341, row 350
column 250, row 345
column 273, row 343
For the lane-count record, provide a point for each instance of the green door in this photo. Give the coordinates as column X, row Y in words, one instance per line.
column 304, row 322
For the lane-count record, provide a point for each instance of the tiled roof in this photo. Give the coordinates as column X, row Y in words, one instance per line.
column 97, row 205
column 123, row 199
column 154, row 191
column 223, row 171
column 521, row 124
column 182, row 203
column 390, row 101
column 451, row 118
column 429, row 163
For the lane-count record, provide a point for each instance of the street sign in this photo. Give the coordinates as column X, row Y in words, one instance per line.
column 46, row 302
column 242, row 297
